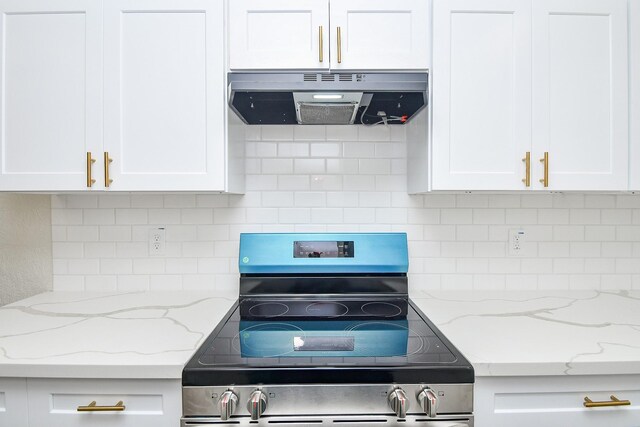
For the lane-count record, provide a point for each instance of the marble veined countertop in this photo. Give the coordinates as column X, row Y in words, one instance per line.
column 542, row 332
column 153, row 334
column 106, row 335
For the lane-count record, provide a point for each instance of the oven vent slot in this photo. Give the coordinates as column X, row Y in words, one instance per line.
column 360, row 421
column 295, row 422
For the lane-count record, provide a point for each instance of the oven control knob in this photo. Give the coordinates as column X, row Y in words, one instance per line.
column 257, row 404
column 429, row 401
column 399, row 402
column 227, row 404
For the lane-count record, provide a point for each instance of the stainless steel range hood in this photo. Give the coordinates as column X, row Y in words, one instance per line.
column 327, row 98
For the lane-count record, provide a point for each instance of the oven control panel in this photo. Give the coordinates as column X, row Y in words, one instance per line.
column 400, row 401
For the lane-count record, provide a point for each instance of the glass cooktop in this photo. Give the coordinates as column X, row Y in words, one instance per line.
column 299, row 333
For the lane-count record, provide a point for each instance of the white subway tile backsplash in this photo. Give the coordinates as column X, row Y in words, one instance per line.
column 326, row 182
column 291, row 149
column 99, row 216
column 114, row 201
column 115, row 233
column 164, row 216
column 131, row 216
column 116, row 266
column 277, row 133
column 359, row 215
column 101, row 283
column 180, row 201
column 277, row 166
column 78, row 233
column 309, row 166
column 374, row 166
column 324, row 150
column 147, row 201
column 340, row 179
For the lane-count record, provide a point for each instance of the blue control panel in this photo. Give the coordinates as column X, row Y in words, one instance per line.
column 286, row 253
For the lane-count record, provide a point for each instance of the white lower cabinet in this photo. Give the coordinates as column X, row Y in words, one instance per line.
column 556, row 401
column 147, row 403
column 13, row 402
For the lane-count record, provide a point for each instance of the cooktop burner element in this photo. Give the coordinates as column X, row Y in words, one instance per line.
column 327, row 309
column 381, row 309
column 269, row 309
column 323, row 332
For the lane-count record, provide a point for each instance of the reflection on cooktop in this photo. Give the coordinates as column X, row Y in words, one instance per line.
column 333, row 340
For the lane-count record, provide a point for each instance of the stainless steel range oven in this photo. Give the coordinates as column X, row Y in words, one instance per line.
column 323, row 333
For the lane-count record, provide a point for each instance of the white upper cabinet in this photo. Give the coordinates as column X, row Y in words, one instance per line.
column 318, row 34
column 378, row 34
column 512, row 77
column 634, row 67
column 481, row 94
column 580, row 87
column 279, row 34
column 51, row 106
column 164, row 94
column 139, row 86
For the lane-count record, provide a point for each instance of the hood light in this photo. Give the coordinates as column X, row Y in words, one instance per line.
column 327, row 96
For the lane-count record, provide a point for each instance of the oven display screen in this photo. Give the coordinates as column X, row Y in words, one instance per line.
column 323, row 343
column 341, row 249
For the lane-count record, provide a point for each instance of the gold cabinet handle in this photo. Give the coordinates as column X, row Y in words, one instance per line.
column 545, row 160
column 527, row 174
column 339, row 45
column 107, row 161
column 320, row 45
column 90, row 161
column 613, row 402
column 93, row 407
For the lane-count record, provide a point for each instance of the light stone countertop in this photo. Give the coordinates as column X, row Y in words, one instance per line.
column 106, row 335
column 541, row 332
column 153, row 334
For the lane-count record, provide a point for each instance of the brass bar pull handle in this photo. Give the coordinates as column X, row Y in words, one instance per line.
column 527, row 174
column 93, row 407
column 90, row 161
column 545, row 160
column 339, row 45
column 613, row 402
column 107, row 161
column 320, row 45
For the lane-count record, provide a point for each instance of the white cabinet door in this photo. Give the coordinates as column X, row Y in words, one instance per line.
column 634, row 92
column 555, row 401
column 380, row 35
column 51, row 92
column 279, row 34
column 147, row 403
column 481, row 94
column 13, row 402
column 580, row 101
column 164, row 94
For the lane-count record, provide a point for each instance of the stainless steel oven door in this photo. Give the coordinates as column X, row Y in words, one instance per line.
column 335, row 421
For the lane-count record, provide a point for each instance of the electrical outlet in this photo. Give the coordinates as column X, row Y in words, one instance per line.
column 516, row 242
column 156, row 241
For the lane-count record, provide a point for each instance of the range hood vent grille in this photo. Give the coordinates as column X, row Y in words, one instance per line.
column 334, row 114
column 310, row 78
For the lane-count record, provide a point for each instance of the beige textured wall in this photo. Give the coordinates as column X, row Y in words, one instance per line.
column 25, row 246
